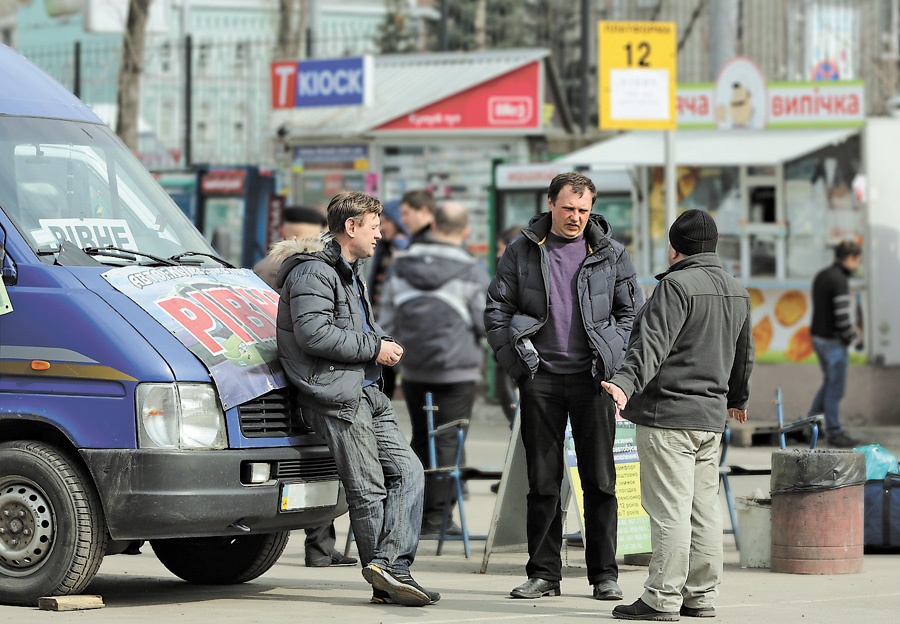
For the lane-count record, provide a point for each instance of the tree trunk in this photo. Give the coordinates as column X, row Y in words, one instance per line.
column 293, row 20
column 129, row 95
column 480, row 24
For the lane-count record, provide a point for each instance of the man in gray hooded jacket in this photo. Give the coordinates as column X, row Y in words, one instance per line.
column 433, row 302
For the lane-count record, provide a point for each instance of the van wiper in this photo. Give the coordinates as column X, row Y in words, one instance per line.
column 178, row 257
column 125, row 254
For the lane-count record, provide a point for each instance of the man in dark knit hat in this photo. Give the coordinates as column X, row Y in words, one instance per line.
column 686, row 371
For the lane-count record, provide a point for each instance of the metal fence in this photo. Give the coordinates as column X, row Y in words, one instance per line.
column 229, row 90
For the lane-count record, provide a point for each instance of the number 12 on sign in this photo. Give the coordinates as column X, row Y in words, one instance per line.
column 637, row 75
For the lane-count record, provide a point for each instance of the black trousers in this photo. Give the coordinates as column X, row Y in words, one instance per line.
column 545, row 403
column 320, row 544
column 453, row 401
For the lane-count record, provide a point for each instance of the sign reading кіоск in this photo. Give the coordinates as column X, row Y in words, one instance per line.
column 329, row 82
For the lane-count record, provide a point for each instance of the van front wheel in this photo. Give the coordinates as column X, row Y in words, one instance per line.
column 221, row 560
column 52, row 536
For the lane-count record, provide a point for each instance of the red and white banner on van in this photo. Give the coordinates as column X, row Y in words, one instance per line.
column 226, row 317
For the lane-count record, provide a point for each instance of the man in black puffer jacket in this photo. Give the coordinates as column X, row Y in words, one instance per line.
column 558, row 317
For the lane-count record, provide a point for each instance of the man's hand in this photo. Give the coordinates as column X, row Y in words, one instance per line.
column 616, row 393
column 390, row 353
column 739, row 415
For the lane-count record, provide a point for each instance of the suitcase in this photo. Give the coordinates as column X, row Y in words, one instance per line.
column 882, row 513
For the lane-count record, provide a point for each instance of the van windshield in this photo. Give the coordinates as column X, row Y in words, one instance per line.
column 73, row 181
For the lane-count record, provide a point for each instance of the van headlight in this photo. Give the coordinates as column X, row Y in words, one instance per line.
column 179, row 416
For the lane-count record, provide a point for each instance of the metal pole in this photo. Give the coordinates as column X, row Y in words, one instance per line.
column 76, row 88
column 671, row 179
column 445, row 17
column 585, row 63
column 188, row 82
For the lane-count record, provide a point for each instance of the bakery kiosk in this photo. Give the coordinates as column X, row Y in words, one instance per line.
column 785, row 183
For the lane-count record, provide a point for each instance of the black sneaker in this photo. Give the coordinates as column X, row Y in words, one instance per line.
column 401, row 587
column 842, row 440
column 434, row 528
column 698, row 611
column 381, row 597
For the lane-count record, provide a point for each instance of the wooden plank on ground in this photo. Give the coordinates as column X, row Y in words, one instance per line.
column 70, row 603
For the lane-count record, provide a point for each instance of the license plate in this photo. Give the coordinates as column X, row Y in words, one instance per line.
column 297, row 496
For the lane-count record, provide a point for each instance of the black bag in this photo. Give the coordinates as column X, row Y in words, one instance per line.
column 882, row 513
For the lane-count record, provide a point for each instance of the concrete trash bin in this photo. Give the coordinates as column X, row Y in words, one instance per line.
column 754, row 517
column 817, row 511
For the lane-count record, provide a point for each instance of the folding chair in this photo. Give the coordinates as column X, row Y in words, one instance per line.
column 452, row 473
column 742, row 471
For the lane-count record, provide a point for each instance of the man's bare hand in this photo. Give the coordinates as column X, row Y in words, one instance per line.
column 739, row 415
column 616, row 393
column 390, row 353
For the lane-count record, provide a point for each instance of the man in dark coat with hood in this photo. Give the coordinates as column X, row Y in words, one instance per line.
column 558, row 317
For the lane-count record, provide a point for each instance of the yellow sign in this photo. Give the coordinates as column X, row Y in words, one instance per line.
column 638, row 69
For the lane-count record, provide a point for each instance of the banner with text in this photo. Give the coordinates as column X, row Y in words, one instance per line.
column 226, row 317
column 634, row 523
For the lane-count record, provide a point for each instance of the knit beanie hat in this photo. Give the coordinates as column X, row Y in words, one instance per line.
column 693, row 232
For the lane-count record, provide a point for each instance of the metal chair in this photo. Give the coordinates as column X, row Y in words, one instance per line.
column 451, row 473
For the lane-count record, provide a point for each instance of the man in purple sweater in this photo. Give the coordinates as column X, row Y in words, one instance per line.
column 558, row 317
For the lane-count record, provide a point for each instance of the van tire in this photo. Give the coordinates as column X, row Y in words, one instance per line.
column 54, row 536
column 221, row 560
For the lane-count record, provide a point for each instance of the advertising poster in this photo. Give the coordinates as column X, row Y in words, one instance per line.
column 781, row 320
column 634, row 523
column 226, row 317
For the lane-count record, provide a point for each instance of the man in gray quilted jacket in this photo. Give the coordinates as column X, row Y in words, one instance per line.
column 332, row 350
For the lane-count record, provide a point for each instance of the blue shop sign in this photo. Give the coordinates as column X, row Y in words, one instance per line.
column 333, row 82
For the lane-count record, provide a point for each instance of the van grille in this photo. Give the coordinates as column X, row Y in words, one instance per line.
column 272, row 415
column 319, row 469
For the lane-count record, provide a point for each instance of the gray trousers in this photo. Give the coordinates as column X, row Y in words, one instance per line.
column 680, row 492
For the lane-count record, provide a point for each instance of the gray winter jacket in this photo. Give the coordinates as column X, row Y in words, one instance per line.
column 691, row 351
column 433, row 304
column 518, row 299
column 321, row 342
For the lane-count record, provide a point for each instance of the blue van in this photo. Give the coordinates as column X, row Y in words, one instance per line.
column 140, row 392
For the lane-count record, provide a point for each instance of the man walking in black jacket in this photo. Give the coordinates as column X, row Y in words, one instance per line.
column 687, row 369
column 832, row 334
column 559, row 314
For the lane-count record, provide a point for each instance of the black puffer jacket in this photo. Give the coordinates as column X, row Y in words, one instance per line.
column 321, row 342
column 518, row 299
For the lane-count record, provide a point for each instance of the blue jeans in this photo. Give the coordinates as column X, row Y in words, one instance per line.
column 833, row 358
column 383, row 480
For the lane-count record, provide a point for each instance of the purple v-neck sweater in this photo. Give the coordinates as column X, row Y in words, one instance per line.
column 562, row 342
